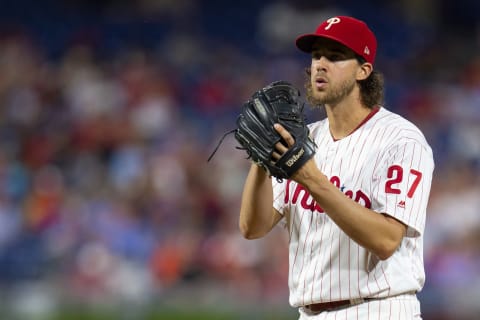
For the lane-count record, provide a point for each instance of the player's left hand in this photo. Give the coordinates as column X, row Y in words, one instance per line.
column 280, row 148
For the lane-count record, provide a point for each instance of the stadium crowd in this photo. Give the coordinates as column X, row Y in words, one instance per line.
column 105, row 191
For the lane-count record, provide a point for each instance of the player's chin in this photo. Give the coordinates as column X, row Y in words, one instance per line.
column 319, row 97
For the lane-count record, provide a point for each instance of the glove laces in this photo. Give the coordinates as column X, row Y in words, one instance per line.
column 219, row 143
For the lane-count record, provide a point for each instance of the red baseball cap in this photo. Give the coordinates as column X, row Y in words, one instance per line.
column 350, row 32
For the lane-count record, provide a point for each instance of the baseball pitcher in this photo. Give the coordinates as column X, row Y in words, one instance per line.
column 352, row 188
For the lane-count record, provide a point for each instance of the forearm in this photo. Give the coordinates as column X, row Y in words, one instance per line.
column 376, row 232
column 257, row 216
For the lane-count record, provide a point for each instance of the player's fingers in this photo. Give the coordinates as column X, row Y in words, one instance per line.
column 284, row 134
column 281, row 148
column 276, row 155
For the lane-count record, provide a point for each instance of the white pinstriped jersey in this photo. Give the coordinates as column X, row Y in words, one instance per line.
column 386, row 165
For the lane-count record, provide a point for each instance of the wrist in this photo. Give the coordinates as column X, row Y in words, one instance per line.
column 310, row 176
column 259, row 171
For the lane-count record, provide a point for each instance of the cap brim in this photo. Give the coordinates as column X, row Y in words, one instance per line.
column 306, row 41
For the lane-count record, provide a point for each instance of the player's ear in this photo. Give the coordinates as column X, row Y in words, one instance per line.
column 364, row 70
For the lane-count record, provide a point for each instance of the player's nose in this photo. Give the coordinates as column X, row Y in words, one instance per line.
column 320, row 64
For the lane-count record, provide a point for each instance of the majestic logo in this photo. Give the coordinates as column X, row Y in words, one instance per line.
column 290, row 162
column 332, row 21
column 401, row 204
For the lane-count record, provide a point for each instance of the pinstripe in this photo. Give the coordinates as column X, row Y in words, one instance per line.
column 368, row 309
column 362, row 151
column 319, row 254
column 330, row 266
column 316, row 264
column 368, row 278
column 374, row 275
column 298, row 246
column 358, row 272
column 322, row 255
column 308, row 257
column 349, row 268
column 422, row 201
column 409, row 213
column 386, row 280
column 312, row 244
column 379, row 309
column 404, row 174
column 390, row 310
column 352, row 152
column 292, row 227
column 339, row 267
column 301, row 273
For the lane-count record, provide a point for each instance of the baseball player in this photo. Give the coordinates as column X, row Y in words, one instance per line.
column 355, row 212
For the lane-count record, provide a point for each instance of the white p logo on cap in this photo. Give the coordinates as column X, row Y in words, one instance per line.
column 332, row 21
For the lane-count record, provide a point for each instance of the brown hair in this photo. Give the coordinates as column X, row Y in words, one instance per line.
column 371, row 89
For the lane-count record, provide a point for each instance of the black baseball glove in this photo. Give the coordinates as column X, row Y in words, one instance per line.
column 276, row 103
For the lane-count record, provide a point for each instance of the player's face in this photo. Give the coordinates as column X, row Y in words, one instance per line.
column 333, row 72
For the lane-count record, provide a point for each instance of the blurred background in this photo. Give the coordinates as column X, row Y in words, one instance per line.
column 109, row 110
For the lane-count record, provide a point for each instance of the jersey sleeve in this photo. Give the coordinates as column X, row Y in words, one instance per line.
column 280, row 195
column 402, row 184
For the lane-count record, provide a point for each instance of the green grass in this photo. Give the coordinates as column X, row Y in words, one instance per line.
column 158, row 313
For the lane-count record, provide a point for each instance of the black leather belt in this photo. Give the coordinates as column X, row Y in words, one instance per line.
column 325, row 306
